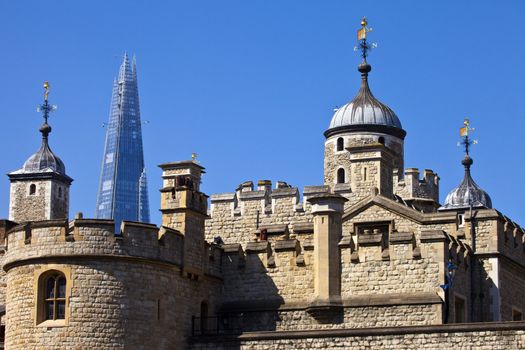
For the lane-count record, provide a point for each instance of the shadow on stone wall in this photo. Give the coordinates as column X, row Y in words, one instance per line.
column 250, row 295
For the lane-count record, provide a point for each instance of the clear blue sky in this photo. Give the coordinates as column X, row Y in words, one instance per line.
column 250, row 86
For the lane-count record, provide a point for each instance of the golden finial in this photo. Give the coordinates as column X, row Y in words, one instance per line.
column 364, row 22
column 46, row 87
column 194, row 156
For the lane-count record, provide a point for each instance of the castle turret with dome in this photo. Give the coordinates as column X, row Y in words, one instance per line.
column 40, row 189
column 468, row 194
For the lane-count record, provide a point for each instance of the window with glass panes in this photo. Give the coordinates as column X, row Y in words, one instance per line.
column 55, row 297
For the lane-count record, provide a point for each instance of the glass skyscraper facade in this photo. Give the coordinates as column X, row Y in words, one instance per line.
column 123, row 191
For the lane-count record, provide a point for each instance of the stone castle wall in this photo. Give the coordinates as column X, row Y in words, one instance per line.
column 236, row 217
column 124, row 291
column 492, row 336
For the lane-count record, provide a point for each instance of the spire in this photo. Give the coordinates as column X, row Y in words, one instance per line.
column 468, row 194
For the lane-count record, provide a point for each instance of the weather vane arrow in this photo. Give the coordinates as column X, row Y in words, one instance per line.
column 363, row 45
column 46, row 108
column 464, row 133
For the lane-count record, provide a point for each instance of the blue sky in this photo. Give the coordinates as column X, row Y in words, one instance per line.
column 250, row 86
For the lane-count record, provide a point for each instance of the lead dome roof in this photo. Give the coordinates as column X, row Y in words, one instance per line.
column 365, row 110
column 44, row 160
column 467, row 193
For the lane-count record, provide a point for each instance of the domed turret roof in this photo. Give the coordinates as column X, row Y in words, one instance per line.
column 44, row 160
column 468, row 193
column 365, row 110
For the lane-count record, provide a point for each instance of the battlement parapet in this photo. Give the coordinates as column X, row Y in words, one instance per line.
column 283, row 198
column 375, row 246
column 511, row 238
column 93, row 237
column 411, row 187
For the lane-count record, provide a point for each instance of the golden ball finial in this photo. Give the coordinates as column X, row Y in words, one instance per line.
column 364, row 22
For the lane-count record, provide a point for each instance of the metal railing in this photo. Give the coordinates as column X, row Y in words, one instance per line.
column 214, row 325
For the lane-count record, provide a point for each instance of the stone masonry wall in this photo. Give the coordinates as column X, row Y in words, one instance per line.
column 488, row 337
column 125, row 291
column 26, row 207
column 349, row 317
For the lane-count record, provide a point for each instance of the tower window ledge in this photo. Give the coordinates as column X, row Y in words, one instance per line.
column 53, row 323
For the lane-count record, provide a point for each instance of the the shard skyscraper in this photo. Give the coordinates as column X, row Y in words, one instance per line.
column 123, row 193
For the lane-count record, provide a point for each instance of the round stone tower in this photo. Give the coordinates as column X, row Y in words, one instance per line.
column 364, row 143
column 81, row 285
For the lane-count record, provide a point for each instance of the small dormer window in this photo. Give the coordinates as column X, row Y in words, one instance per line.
column 340, row 144
column 32, row 189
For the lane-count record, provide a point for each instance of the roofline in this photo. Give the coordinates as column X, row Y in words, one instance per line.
column 385, row 129
column 40, row 176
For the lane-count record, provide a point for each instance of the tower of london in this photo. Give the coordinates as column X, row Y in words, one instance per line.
column 368, row 258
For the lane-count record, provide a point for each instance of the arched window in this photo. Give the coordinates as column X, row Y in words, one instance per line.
column 60, row 192
column 341, row 176
column 365, row 173
column 381, row 140
column 340, row 144
column 53, row 296
column 32, row 189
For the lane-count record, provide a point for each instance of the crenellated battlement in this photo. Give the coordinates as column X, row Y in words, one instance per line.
column 236, row 216
column 94, row 237
column 411, row 187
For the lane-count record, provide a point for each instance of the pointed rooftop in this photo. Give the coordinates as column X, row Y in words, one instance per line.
column 468, row 194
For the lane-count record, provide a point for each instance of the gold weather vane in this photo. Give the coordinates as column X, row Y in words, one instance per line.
column 46, row 87
column 194, row 157
column 364, row 46
column 46, row 108
column 361, row 33
column 464, row 132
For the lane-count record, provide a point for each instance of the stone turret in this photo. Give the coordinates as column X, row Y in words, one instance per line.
column 184, row 208
column 40, row 189
column 364, row 145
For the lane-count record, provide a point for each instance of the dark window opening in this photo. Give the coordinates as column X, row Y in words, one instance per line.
column 341, row 176
column 60, row 192
column 340, row 144
column 381, row 140
column 32, row 189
